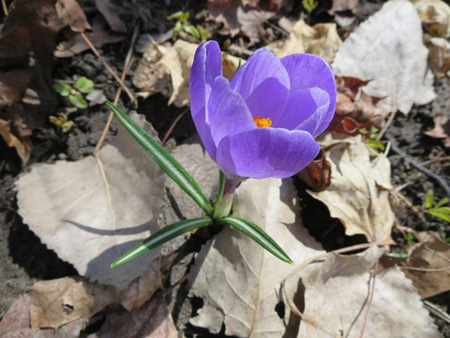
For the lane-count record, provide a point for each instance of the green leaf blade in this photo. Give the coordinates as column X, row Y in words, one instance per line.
column 258, row 235
column 166, row 161
column 78, row 101
column 162, row 236
column 429, row 199
column 84, row 85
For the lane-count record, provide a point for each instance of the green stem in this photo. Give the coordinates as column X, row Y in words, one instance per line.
column 223, row 205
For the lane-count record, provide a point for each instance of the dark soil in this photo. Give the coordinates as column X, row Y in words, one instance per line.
column 24, row 259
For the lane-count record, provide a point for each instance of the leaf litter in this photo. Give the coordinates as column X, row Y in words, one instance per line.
column 92, row 211
column 271, row 203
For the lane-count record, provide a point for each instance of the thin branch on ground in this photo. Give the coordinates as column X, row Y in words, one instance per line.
column 5, row 8
column 126, row 67
column 416, row 211
column 393, row 111
column 417, row 165
column 173, row 126
column 437, row 311
column 108, row 67
column 370, row 301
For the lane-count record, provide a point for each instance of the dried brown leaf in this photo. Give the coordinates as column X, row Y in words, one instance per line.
column 435, row 16
column 317, row 174
column 71, row 14
column 164, row 67
column 359, row 192
column 22, row 144
column 13, row 84
column 337, row 301
column 439, row 57
column 321, row 39
column 430, row 260
column 441, row 130
column 111, row 14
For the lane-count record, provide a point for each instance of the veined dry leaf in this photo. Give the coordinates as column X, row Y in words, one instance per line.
column 435, row 16
column 99, row 36
column 441, row 130
column 111, row 14
column 337, row 301
column 439, row 57
column 433, row 256
column 92, row 211
column 61, row 301
column 388, row 50
column 355, row 109
column 321, row 39
column 152, row 320
column 246, row 16
column 161, row 65
column 358, row 195
column 317, row 174
column 22, row 144
column 70, row 12
column 13, row 84
column 239, row 280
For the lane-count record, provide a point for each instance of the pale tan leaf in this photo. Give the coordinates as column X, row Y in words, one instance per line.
column 22, row 144
column 321, row 39
column 169, row 66
column 388, row 50
column 337, row 301
column 238, row 280
column 429, row 261
column 435, row 16
column 439, row 58
column 57, row 302
column 358, row 194
column 92, row 211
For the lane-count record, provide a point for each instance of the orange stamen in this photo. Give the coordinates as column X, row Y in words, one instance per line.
column 260, row 122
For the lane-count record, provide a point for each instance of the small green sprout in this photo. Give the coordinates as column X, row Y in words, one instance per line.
column 182, row 25
column 440, row 210
column 374, row 138
column 62, row 121
column 310, row 5
column 75, row 94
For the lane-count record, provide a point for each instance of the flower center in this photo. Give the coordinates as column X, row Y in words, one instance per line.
column 260, row 122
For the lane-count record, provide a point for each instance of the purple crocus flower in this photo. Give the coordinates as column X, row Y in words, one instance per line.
column 263, row 123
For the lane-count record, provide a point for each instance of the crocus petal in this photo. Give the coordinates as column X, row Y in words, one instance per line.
column 305, row 110
column 206, row 67
column 228, row 113
column 263, row 83
column 310, row 71
column 266, row 152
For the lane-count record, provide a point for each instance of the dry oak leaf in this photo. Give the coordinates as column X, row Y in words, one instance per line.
column 336, row 303
column 435, row 16
column 111, row 14
column 439, row 58
column 60, row 301
column 246, row 16
column 441, row 130
column 238, row 280
column 21, row 143
column 152, row 320
column 169, row 66
column 359, row 192
column 388, row 50
column 430, row 260
column 355, row 109
column 321, row 39
column 92, row 211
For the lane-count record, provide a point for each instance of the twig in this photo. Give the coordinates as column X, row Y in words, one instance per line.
column 424, row 269
column 5, row 8
column 126, row 66
column 410, row 205
column 173, row 126
column 418, row 166
column 107, row 66
column 277, row 28
column 437, row 311
column 370, row 301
